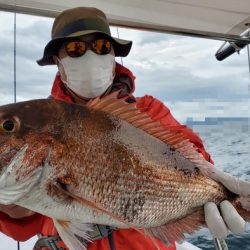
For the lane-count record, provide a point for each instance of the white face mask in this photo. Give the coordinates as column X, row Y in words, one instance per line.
column 89, row 75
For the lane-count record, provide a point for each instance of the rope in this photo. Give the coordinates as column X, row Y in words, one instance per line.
column 18, row 243
column 220, row 244
column 117, row 31
column 15, row 57
column 248, row 56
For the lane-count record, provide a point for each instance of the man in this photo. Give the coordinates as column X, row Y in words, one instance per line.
column 84, row 51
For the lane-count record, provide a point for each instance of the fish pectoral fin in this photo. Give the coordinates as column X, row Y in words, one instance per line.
column 92, row 205
column 174, row 231
column 74, row 234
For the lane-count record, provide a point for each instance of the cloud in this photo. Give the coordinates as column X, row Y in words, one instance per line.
column 184, row 74
column 182, row 65
column 33, row 81
column 169, row 67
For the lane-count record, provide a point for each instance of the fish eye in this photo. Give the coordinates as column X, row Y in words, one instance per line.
column 9, row 125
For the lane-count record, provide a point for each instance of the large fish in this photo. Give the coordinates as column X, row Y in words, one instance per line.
column 104, row 163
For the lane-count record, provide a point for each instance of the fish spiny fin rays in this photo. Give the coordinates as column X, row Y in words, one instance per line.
column 172, row 136
column 95, row 206
column 175, row 231
column 68, row 231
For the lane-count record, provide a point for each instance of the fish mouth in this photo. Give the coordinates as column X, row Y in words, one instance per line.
column 12, row 188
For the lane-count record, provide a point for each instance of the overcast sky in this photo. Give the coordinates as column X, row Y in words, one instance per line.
column 180, row 71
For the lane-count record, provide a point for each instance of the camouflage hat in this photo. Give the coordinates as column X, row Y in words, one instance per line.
column 78, row 22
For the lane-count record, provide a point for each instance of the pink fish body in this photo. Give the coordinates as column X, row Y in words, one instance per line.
column 105, row 163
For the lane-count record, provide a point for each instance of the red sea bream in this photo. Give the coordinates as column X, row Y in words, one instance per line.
column 104, row 163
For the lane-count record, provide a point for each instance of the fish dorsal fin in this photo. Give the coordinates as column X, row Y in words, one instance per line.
column 171, row 135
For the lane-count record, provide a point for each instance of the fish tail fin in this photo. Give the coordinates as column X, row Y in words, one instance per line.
column 174, row 231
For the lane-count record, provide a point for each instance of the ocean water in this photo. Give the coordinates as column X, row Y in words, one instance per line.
column 229, row 146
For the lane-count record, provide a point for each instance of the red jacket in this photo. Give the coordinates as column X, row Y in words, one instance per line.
column 125, row 239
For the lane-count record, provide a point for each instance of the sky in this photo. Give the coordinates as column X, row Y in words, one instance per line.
column 180, row 71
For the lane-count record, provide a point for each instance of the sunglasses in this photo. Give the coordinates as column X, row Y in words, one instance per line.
column 78, row 48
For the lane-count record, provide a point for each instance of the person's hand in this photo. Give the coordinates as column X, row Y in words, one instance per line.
column 220, row 224
column 15, row 212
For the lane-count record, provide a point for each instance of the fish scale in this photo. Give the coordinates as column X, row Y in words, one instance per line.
column 151, row 183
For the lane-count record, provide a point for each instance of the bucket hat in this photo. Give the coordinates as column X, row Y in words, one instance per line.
column 77, row 22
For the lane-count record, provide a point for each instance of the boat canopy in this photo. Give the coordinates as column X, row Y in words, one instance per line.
column 223, row 19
